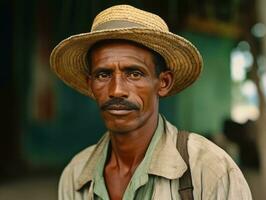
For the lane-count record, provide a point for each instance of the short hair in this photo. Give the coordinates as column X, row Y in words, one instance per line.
column 159, row 62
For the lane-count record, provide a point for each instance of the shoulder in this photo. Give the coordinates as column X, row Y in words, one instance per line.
column 208, row 155
column 204, row 154
column 81, row 157
column 77, row 163
column 213, row 168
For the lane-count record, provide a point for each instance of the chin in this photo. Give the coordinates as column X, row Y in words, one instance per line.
column 120, row 123
column 121, row 126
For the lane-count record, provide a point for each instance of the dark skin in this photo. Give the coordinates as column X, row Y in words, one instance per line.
column 124, row 73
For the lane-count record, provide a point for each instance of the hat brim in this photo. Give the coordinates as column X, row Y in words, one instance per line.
column 68, row 59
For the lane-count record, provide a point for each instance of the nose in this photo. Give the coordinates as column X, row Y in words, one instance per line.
column 118, row 87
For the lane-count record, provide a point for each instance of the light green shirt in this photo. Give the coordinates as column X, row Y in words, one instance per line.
column 214, row 173
column 141, row 184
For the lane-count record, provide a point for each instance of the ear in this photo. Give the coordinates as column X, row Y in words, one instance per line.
column 166, row 83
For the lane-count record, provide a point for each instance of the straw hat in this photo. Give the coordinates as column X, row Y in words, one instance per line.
column 68, row 59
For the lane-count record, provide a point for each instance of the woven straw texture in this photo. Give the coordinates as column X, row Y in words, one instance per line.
column 68, row 59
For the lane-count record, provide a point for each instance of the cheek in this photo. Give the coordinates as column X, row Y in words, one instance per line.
column 145, row 95
column 99, row 89
column 150, row 101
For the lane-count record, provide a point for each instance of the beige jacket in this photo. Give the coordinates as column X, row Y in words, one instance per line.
column 214, row 174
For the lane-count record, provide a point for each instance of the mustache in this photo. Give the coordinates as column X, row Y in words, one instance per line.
column 118, row 102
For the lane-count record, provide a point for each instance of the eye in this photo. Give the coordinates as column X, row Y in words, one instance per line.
column 103, row 75
column 135, row 74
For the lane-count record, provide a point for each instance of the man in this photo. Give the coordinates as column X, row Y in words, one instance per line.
column 126, row 63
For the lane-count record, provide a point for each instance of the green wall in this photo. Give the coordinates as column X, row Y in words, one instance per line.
column 77, row 125
column 204, row 105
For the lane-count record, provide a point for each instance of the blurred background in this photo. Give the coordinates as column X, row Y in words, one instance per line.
column 44, row 122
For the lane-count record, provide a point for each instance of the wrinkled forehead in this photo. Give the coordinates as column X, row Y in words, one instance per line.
column 110, row 45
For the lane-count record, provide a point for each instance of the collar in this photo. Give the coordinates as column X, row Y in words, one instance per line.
column 165, row 159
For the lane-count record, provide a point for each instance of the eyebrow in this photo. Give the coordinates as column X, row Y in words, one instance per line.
column 101, row 69
column 133, row 67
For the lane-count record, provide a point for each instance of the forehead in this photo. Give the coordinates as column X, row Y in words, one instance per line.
column 120, row 49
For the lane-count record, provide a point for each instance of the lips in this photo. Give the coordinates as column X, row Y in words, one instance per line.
column 118, row 110
column 118, row 107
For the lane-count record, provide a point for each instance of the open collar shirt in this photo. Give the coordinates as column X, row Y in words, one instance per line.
column 214, row 174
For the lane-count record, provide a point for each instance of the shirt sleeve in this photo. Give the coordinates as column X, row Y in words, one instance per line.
column 231, row 186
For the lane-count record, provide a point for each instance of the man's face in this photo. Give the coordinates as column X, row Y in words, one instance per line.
column 124, row 83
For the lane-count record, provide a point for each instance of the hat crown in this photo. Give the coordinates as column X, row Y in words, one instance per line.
column 126, row 16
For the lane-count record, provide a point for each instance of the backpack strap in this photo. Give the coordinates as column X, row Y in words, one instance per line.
column 185, row 182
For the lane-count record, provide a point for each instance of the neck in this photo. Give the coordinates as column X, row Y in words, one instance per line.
column 128, row 149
